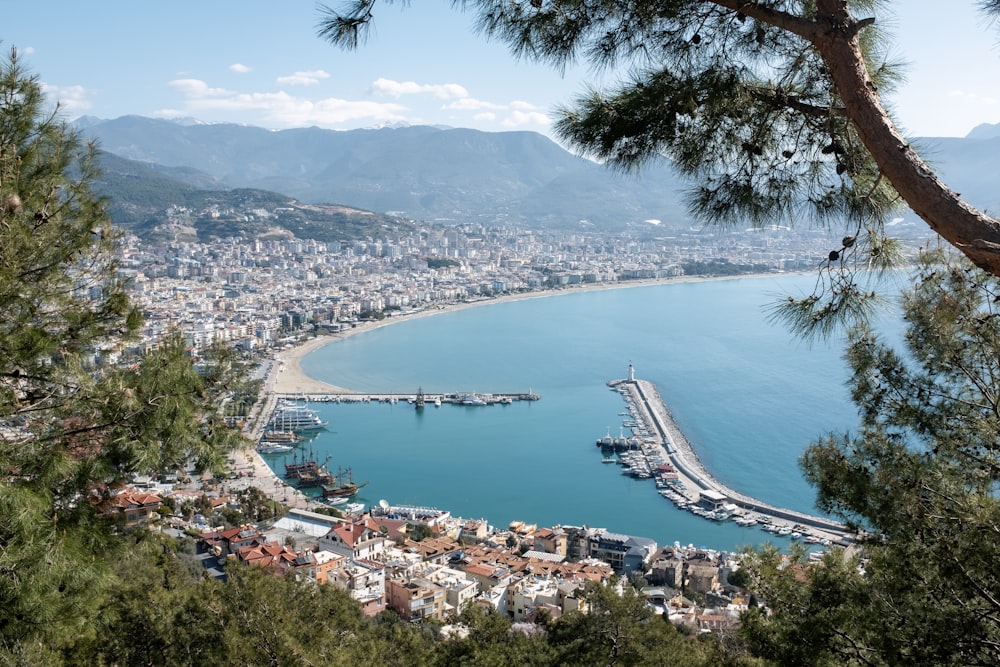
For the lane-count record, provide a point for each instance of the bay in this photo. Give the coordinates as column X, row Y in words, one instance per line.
column 749, row 396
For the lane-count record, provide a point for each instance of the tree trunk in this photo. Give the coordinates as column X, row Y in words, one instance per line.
column 974, row 233
column 834, row 34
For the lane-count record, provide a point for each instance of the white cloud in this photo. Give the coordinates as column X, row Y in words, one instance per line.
column 303, row 78
column 399, row 88
column 521, row 119
column 71, row 99
column 239, row 68
column 523, row 106
column 283, row 109
column 486, row 116
column 195, row 88
column 973, row 97
column 470, row 104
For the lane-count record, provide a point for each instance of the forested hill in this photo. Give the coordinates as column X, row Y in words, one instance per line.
column 180, row 203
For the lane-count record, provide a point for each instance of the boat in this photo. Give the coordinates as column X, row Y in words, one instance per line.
column 286, row 437
column 419, row 400
column 337, row 501
column 307, row 474
column 470, row 399
column 354, row 508
column 607, row 442
column 295, row 418
column 437, row 402
column 273, row 448
column 342, row 485
column 609, row 459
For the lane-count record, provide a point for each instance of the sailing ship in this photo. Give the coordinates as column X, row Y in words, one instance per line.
column 342, row 485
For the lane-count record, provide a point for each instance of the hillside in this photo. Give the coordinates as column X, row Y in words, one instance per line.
column 179, row 203
column 429, row 173
column 423, row 173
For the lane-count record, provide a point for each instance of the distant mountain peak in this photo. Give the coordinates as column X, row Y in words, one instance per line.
column 984, row 131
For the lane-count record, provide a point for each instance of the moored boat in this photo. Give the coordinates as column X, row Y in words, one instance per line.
column 273, row 448
column 342, row 485
column 295, row 418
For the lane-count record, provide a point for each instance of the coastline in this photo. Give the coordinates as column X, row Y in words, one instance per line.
column 290, row 378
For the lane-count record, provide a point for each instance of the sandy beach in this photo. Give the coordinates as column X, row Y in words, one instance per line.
column 290, row 378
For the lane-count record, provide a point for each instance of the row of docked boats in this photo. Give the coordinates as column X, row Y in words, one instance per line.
column 293, row 417
column 289, row 423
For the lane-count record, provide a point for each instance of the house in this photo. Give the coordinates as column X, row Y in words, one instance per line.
column 459, row 587
column 326, row 563
column 271, row 555
column 356, row 539
column 363, row 579
column 474, row 531
column 131, row 508
column 625, row 553
column 434, row 549
column 525, row 598
column 552, row 541
column 415, row 599
column 232, row 540
column 696, row 571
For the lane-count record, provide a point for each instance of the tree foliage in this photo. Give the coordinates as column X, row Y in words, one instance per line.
column 921, row 478
column 74, row 421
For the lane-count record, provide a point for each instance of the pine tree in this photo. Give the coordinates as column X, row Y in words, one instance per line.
column 920, row 479
column 75, row 419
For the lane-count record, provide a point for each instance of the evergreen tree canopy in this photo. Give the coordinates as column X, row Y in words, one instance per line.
column 75, row 421
column 921, row 478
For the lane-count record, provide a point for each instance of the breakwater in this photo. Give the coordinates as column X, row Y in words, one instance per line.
column 650, row 412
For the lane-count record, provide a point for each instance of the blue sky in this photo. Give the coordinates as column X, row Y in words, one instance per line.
column 260, row 63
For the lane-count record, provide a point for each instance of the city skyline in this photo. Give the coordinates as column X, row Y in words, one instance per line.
column 249, row 64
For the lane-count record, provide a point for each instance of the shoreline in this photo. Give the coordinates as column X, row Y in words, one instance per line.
column 290, row 378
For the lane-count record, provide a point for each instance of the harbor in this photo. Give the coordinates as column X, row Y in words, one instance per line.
column 658, row 449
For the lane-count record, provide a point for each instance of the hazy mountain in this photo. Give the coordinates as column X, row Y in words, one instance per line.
column 984, row 131
column 429, row 173
column 422, row 172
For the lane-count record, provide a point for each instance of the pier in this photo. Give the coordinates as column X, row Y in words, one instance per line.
column 649, row 410
column 415, row 398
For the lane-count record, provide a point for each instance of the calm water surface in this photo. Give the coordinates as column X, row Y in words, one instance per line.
column 747, row 394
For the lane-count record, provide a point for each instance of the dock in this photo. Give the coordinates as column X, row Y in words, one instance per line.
column 427, row 398
column 666, row 441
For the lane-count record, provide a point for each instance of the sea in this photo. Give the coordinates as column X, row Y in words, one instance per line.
column 749, row 395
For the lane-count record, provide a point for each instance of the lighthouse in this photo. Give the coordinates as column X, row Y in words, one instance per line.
column 631, row 373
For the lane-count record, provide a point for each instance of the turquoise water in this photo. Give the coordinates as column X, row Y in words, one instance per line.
column 748, row 395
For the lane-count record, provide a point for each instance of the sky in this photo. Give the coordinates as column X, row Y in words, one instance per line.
column 261, row 63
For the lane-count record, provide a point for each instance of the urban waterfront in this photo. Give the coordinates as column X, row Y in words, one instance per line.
column 748, row 395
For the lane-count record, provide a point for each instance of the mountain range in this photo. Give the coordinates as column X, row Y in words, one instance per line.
column 447, row 174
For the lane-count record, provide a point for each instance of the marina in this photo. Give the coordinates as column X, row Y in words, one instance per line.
column 658, row 449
